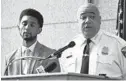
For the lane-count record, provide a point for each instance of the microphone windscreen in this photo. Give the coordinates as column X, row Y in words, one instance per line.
column 51, row 67
column 71, row 44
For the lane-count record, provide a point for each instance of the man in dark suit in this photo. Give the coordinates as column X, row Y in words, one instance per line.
column 30, row 25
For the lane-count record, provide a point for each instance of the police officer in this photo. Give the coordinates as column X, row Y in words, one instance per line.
column 96, row 52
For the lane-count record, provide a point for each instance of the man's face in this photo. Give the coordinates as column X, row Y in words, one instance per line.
column 29, row 28
column 89, row 22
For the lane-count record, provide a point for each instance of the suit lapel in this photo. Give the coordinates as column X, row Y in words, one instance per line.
column 36, row 53
column 17, row 64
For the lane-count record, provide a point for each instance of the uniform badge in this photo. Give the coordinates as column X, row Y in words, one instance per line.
column 105, row 50
column 124, row 51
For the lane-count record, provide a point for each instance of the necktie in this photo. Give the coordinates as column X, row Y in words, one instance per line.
column 85, row 59
column 26, row 63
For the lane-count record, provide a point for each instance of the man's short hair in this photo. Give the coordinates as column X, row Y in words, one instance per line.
column 33, row 13
column 87, row 7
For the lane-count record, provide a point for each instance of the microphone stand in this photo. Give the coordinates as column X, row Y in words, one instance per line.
column 23, row 58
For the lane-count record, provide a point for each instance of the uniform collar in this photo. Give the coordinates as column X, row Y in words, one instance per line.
column 94, row 40
column 97, row 37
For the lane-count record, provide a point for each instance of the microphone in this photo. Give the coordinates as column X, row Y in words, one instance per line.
column 58, row 53
column 48, row 68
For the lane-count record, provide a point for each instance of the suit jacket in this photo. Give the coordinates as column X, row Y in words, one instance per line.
column 15, row 68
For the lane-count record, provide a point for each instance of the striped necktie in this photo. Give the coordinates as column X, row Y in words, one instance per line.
column 85, row 59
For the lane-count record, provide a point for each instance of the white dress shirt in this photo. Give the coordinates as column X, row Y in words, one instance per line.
column 26, row 63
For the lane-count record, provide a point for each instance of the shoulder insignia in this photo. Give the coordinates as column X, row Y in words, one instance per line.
column 105, row 50
column 124, row 51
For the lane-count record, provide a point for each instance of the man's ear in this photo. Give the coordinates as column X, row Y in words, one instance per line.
column 39, row 31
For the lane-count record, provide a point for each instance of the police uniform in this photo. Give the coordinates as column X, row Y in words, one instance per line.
column 105, row 57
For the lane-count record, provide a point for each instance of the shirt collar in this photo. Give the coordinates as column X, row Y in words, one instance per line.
column 97, row 37
column 31, row 47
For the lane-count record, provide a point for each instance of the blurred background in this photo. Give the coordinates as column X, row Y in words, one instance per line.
column 60, row 21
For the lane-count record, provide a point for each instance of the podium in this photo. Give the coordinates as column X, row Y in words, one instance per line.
column 56, row 76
